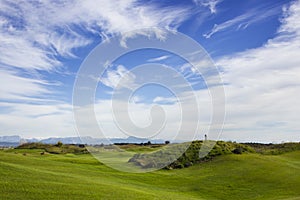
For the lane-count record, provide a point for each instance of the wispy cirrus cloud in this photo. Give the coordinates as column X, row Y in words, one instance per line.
column 17, row 88
column 34, row 33
column 36, row 37
column 243, row 21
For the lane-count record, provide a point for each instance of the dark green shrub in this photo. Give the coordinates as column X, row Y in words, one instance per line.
column 238, row 150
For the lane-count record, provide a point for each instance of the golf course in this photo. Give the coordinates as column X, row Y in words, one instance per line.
column 35, row 174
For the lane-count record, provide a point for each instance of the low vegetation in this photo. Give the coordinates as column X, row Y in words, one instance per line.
column 274, row 149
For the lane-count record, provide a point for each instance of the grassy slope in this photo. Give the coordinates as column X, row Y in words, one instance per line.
column 246, row 176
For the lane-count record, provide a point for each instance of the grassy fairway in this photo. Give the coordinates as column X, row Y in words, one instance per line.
column 69, row 176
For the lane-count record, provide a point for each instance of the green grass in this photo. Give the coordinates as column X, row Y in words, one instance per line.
column 69, row 176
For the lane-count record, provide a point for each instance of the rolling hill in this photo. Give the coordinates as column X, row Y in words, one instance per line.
column 26, row 174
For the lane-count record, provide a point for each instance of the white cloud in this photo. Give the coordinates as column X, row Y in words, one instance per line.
column 263, row 83
column 33, row 120
column 119, row 78
column 158, row 59
column 164, row 100
column 263, row 86
column 141, row 116
column 41, row 121
column 211, row 4
column 136, row 99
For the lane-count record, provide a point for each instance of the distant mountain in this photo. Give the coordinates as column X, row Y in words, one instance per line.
column 15, row 140
column 68, row 140
column 9, row 144
column 136, row 140
column 74, row 140
column 10, row 139
column 92, row 141
column 32, row 140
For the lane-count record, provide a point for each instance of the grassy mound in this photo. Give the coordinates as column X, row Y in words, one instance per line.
column 58, row 148
column 190, row 156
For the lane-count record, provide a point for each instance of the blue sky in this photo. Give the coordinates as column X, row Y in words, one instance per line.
column 255, row 45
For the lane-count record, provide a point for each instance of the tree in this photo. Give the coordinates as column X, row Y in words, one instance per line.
column 59, row 144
